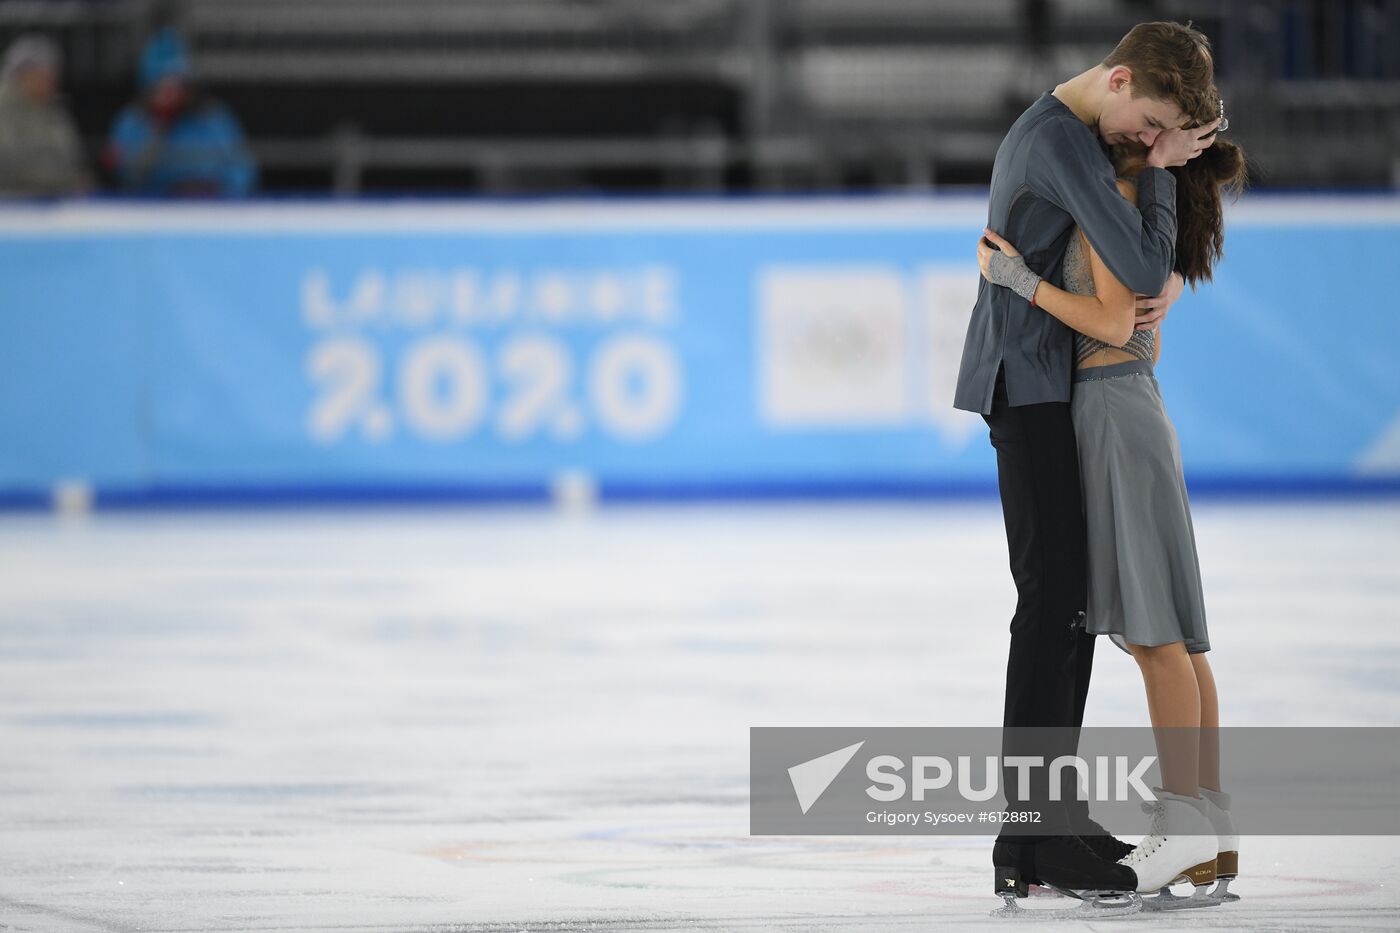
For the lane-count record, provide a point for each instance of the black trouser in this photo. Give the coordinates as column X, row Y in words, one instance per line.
column 1047, row 673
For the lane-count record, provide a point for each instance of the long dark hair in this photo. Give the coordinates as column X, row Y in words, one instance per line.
column 1200, row 220
column 1200, row 215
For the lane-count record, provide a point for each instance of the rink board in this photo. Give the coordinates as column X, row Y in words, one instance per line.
column 660, row 347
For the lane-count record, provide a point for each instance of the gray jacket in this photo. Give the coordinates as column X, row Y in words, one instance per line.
column 1051, row 173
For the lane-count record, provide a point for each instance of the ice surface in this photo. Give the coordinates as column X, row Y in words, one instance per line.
column 460, row 719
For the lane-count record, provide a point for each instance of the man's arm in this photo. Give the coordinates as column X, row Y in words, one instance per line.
column 1138, row 244
column 1152, row 309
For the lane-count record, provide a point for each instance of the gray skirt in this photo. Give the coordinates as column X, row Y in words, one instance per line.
column 1144, row 576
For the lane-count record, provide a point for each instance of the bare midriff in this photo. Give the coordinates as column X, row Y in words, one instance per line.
column 1106, row 356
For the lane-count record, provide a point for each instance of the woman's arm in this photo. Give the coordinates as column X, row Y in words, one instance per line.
column 1107, row 315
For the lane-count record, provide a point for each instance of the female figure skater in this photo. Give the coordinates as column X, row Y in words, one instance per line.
column 1144, row 577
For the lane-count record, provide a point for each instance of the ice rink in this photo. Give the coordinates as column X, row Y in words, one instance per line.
column 507, row 720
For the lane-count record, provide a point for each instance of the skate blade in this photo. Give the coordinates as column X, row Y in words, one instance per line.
column 1222, row 893
column 1092, row 906
column 1166, row 900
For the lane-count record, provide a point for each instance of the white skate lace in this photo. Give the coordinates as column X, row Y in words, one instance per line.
column 1156, row 835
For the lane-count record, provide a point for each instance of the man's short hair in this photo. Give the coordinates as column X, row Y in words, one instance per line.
column 1170, row 62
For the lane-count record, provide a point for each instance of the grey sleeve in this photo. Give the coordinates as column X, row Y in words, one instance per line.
column 1137, row 244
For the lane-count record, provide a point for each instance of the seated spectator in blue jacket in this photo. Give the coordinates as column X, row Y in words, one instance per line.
column 173, row 141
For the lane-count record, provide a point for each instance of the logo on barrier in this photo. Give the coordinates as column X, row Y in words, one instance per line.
column 832, row 346
column 851, row 346
column 448, row 355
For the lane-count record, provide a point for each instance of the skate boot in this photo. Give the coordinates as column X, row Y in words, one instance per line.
column 1105, row 846
column 1014, row 865
column 1067, row 865
column 1180, row 845
column 1227, row 859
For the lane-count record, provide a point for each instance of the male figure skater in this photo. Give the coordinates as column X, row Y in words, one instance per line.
column 1052, row 172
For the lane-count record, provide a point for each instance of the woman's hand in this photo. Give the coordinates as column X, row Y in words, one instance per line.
column 1004, row 266
column 985, row 252
column 1000, row 242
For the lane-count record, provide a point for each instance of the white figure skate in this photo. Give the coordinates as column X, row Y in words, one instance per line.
column 1227, row 858
column 1180, row 846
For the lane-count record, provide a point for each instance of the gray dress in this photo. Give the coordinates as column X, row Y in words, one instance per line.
column 1144, row 576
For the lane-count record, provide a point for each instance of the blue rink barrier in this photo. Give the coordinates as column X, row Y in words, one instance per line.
column 666, row 349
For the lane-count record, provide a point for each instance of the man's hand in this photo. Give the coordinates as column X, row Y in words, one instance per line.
column 1151, row 311
column 1177, row 147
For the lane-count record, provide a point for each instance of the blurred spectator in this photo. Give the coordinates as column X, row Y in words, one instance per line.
column 40, row 153
column 174, row 141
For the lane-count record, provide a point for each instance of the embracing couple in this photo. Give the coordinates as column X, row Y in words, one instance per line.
column 1105, row 201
